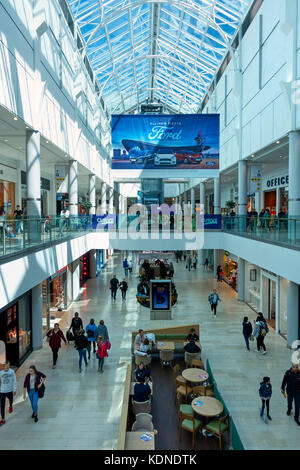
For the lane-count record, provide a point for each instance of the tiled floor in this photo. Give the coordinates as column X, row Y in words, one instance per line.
column 82, row 411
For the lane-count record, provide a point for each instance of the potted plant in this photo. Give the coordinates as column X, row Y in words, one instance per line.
column 85, row 206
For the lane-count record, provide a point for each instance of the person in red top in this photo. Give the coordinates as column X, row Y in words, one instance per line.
column 101, row 353
column 55, row 335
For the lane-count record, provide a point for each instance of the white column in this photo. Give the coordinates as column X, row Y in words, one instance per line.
column 193, row 200
column 103, row 198
column 73, row 187
column 69, row 284
column 241, row 280
column 292, row 313
column 111, row 200
column 242, row 187
column 75, row 279
column 202, row 196
column 37, row 317
column 185, row 194
column 294, row 172
column 33, row 171
column 18, row 187
column 217, row 196
column 218, row 259
column 201, row 257
column 92, row 264
column 92, row 193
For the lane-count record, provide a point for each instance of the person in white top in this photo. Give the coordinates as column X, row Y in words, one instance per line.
column 8, row 388
column 64, row 217
column 233, row 276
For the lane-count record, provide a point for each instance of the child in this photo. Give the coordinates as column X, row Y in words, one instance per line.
column 265, row 393
column 101, row 353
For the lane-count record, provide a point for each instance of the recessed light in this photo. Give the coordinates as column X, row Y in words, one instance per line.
column 47, row 141
column 277, row 141
column 15, row 118
column 5, row 140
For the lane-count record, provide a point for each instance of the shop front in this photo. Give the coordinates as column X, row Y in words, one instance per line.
column 274, row 301
column 252, row 286
column 54, row 292
column 230, row 269
column 15, row 329
column 100, row 260
column 276, row 194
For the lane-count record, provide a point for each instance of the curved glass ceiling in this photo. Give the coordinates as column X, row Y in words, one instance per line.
column 160, row 50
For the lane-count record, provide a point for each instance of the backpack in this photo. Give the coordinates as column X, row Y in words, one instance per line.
column 263, row 329
column 90, row 333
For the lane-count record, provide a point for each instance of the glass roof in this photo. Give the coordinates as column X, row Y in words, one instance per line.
column 160, row 50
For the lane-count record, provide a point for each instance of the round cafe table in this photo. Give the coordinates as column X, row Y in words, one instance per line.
column 195, row 375
column 207, row 406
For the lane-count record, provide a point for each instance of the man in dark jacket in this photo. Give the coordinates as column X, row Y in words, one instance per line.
column 114, row 284
column 76, row 324
column 55, row 336
column 192, row 347
column 192, row 335
column 142, row 390
column 291, row 382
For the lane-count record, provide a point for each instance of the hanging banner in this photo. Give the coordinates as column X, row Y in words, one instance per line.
column 61, row 178
column 161, row 144
column 255, row 180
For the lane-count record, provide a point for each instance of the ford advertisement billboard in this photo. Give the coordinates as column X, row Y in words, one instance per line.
column 156, row 142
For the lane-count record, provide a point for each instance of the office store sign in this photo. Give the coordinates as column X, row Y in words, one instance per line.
column 276, row 182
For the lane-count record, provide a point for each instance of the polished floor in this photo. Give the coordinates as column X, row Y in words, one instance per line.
column 82, row 411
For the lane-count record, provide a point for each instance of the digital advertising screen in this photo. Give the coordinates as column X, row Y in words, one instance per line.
column 160, row 292
column 165, row 142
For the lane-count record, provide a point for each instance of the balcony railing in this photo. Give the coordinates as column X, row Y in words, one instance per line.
column 19, row 235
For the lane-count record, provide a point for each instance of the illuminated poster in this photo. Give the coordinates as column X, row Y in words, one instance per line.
column 157, row 142
column 160, row 292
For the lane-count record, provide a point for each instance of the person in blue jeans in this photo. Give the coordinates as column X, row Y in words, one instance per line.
column 265, row 393
column 247, row 331
column 91, row 331
column 125, row 266
column 81, row 344
column 33, row 381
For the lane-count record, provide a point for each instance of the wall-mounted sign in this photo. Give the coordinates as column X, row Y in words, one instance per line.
column 255, row 180
column 277, row 182
column 61, row 178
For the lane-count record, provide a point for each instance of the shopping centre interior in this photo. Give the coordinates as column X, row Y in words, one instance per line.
column 174, row 222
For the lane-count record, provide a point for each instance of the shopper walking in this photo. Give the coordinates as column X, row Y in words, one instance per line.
column 123, row 288
column 101, row 353
column 247, row 331
column 8, row 388
column 260, row 331
column 206, row 264
column 233, row 277
column 219, row 270
column 130, row 266
column 55, row 335
column 32, row 383
column 114, row 284
column 81, row 344
column 91, row 331
column 189, row 263
column 291, row 386
column 125, row 266
column 214, row 299
column 76, row 324
column 194, row 261
column 265, row 393
column 102, row 331
column 18, row 213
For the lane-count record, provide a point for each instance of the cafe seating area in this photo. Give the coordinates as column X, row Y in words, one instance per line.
column 182, row 412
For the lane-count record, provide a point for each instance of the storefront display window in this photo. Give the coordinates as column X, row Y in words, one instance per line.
column 252, row 286
column 7, row 197
column 284, row 283
column 24, row 326
column 230, row 270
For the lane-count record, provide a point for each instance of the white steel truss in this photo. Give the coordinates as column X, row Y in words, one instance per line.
column 155, row 49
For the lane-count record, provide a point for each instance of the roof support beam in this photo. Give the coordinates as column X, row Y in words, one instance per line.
column 155, row 19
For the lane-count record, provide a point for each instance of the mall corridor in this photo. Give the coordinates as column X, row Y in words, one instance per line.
column 82, row 411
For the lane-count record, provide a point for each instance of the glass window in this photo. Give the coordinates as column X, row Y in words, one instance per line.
column 24, row 326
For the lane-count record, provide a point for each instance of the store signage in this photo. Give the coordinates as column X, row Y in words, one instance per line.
column 255, row 180
column 104, row 221
column 61, row 178
column 211, row 222
column 277, row 182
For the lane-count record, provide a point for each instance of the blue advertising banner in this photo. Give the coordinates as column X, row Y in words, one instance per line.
column 154, row 142
column 104, row 221
column 211, row 221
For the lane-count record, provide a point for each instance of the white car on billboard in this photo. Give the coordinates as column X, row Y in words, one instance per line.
column 165, row 157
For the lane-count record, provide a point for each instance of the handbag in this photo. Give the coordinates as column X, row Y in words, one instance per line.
column 108, row 345
column 41, row 391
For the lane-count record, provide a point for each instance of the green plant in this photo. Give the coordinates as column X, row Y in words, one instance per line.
column 230, row 204
column 85, row 206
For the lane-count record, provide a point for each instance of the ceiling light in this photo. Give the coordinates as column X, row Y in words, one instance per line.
column 5, row 140
column 15, row 118
column 47, row 141
column 277, row 141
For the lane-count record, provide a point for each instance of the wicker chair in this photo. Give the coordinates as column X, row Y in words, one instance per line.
column 143, row 423
column 188, row 357
column 141, row 407
column 166, row 356
column 146, row 360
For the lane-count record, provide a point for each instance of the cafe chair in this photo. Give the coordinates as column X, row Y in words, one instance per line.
column 197, row 363
column 209, row 390
column 188, row 357
column 191, row 424
column 177, row 376
column 166, row 356
column 217, row 427
column 184, row 390
column 183, row 408
column 146, row 360
column 141, row 406
column 143, row 423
